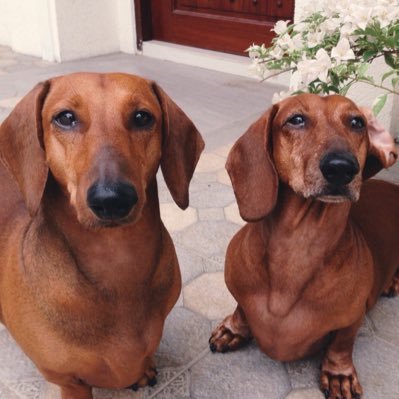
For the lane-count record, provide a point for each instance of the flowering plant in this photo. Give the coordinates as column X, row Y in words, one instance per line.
column 331, row 49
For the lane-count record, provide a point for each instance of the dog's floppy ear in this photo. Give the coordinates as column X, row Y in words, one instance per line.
column 181, row 148
column 21, row 146
column 382, row 152
column 251, row 170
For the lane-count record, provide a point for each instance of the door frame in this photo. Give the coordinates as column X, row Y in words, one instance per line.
column 143, row 16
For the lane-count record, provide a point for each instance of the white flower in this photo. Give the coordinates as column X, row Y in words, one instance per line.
column 285, row 42
column 277, row 97
column 359, row 15
column 277, row 53
column 385, row 15
column 342, row 51
column 280, row 27
column 330, row 25
column 296, row 82
column 314, row 38
column 311, row 70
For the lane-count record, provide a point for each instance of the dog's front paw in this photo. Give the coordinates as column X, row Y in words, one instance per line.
column 340, row 386
column 149, row 378
column 228, row 337
column 393, row 289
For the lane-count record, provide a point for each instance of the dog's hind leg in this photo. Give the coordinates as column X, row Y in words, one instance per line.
column 393, row 288
column 232, row 333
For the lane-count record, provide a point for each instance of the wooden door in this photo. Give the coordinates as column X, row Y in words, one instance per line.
column 223, row 25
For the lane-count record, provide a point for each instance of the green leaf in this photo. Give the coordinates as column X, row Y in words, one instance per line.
column 379, row 103
column 369, row 54
column 389, row 60
column 387, row 75
column 395, row 81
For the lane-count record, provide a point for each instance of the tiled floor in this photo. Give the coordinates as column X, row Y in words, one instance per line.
column 222, row 106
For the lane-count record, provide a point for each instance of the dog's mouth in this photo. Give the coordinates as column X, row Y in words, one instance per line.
column 337, row 194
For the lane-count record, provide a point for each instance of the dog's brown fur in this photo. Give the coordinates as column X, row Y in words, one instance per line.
column 311, row 264
column 86, row 299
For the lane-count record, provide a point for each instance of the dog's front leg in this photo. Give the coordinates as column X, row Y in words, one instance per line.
column 232, row 333
column 76, row 391
column 338, row 378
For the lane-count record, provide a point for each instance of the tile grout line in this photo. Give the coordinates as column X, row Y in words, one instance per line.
column 179, row 373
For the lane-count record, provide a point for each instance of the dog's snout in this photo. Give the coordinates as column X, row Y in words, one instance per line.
column 111, row 201
column 339, row 168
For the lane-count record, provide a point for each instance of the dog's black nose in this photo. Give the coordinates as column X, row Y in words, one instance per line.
column 111, row 201
column 339, row 168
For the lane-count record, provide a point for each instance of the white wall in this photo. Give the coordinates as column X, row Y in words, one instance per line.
column 19, row 26
column 60, row 30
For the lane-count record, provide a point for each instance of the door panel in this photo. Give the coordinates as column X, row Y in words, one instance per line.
column 222, row 25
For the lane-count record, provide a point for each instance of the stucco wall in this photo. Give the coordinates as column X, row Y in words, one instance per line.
column 60, row 30
column 19, row 25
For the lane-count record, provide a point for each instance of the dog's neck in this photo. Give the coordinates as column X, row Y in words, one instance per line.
column 303, row 237
column 107, row 257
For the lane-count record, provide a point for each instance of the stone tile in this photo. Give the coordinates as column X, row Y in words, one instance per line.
column 246, row 373
column 208, row 238
column 224, row 150
column 14, row 364
column 233, row 214
column 210, row 162
column 377, row 364
column 304, row 373
column 209, row 296
column 185, row 336
column 10, row 102
column 210, row 177
column 49, row 391
column 210, row 195
column 305, row 394
column 207, row 214
column 191, row 264
column 3, row 113
column 7, row 393
column 175, row 219
column 385, row 316
column 223, row 177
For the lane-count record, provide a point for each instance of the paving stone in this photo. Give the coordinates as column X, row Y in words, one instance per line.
column 208, row 238
column 246, row 373
column 50, row 391
column 10, row 102
column 3, row 113
column 385, row 316
column 192, row 263
column 207, row 214
column 233, row 214
column 223, row 177
column 175, row 219
column 224, row 150
column 209, row 296
column 185, row 336
column 210, row 195
column 6, row 393
column 377, row 364
column 14, row 364
column 305, row 394
column 304, row 373
column 204, row 177
column 210, row 162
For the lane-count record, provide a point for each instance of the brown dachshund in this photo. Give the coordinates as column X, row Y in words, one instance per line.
column 88, row 272
column 311, row 263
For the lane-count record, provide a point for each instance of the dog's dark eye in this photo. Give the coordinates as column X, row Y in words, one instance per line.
column 65, row 120
column 357, row 123
column 296, row 120
column 142, row 119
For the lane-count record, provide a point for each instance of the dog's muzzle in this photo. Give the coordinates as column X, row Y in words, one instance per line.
column 339, row 168
column 111, row 201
